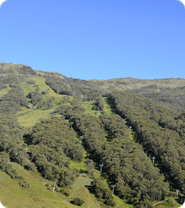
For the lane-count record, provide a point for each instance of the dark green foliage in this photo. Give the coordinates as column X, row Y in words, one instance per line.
column 14, row 85
column 94, row 96
column 57, row 134
column 166, row 145
column 44, row 92
column 93, row 135
column 99, row 104
column 31, row 82
column 101, row 191
column 77, row 201
column 70, row 86
column 7, row 122
column 45, row 105
column 65, row 191
column 15, row 95
column 11, row 78
column 128, row 166
column 52, row 141
column 41, row 153
column 11, row 172
column 68, row 111
column 9, row 107
column 60, row 86
column 84, row 88
column 173, row 98
column 35, row 97
column 4, row 160
column 182, row 116
column 26, row 70
column 11, row 142
column 19, row 155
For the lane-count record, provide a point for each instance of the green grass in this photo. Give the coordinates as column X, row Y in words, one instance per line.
column 107, row 108
column 80, row 190
column 166, row 204
column 13, row 196
column 31, row 116
column 88, row 106
column 121, row 204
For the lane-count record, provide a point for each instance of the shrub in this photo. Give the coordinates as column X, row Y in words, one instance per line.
column 65, row 191
column 36, row 88
column 77, row 201
column 11, row 172
column 4, row 159
column 44, row 92
column 35, row 97
column 30, row 166
column 30, row 82
column 24, row 184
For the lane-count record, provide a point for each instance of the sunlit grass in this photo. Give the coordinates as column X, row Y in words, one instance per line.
column 107, row 108
column 4, row 91
column 13, row 196
column 31, row 116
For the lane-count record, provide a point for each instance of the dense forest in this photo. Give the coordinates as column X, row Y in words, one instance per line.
column 127, row 137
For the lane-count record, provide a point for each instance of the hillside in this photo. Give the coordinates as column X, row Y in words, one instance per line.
column 168, row 92
column 86, row 136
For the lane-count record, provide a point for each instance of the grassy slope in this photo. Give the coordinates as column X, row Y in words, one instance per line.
column 12, row 195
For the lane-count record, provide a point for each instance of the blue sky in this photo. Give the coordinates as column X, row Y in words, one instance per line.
column 95, row 39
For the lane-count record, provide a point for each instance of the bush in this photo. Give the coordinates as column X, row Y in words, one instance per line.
column 14, row 85
column 35, row 97
column 65, row 191
column 11, row 172
column 24, row 184
column 36, row 88
column 30, row 82
column 30, row 166
column 4, row 160
column 77, row 201
column 15, row 95
column 44, row 92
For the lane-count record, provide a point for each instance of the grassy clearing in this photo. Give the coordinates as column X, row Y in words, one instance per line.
column 29, row 117
column 80, row 190
column 121, row 204
column 88, row 106
column 167, row 204
column 12, row 195
column 107, row 108
column 40, row 81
